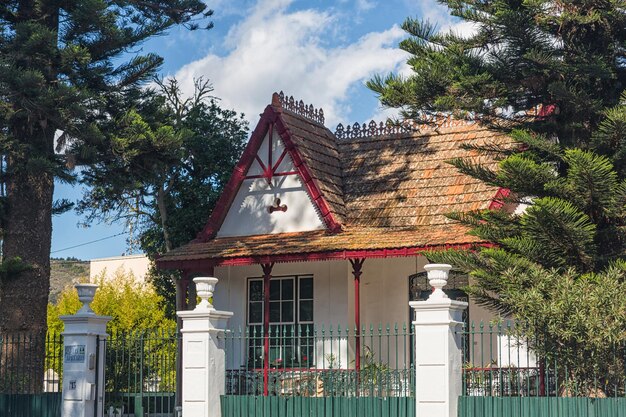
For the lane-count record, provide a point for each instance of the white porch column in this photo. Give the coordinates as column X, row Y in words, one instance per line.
column 204, row 359
column 437, row 348
column 83, row 359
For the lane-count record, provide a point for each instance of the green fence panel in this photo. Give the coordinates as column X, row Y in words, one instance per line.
column 274, row 406
column 29, row 405
column 541, row 407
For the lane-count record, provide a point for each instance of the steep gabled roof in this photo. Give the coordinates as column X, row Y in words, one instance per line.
column 387, row 188
column 303, row 158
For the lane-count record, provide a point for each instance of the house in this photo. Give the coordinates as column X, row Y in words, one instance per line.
column 323, row 228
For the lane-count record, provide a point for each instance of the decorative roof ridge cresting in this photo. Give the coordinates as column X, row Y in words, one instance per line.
column 298, row 107
column 373, row 129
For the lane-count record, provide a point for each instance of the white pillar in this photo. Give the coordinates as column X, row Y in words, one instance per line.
column 204, row 359
column 83, row 358
column 438, row 349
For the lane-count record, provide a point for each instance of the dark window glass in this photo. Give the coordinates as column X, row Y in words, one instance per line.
column 275, row 290
column 275, row 312
column 306, row 310
column 287, row 285
column 255, row 313
column 306, row 288
column 287, row 311
column 256, row 290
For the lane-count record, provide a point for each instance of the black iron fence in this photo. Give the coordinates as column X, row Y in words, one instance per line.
column 500, row 363
column 140, row 373
column 31, row 372
column 318, row 361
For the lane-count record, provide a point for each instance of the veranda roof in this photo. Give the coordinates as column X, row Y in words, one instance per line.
column 384, row 190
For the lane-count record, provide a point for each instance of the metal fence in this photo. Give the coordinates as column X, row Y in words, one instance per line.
column 499, row 363
column 320, row 361
column 30, row 363
column 140, row 373
column 31, row 370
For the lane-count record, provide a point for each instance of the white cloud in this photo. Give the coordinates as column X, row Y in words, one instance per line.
column 365, row 5
column 439, row 14
column 275, row 49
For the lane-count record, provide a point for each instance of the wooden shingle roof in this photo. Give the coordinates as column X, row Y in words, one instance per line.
column 389, row 191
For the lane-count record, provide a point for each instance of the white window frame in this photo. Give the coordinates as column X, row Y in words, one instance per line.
column 296, row 300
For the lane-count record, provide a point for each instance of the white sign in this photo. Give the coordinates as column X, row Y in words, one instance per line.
column 75, row 354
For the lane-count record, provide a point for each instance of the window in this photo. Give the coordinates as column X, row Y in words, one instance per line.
column 291, row 321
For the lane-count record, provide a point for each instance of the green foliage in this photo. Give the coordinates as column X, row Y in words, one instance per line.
column 60, row 69
column 12, row 267
column 552, row 75
column 131, row 304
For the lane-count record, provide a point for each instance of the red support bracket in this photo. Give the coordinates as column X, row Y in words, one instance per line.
column 357, row 270
column 267, row 276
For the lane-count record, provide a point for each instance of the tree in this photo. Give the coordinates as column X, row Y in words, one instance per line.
column 165, row 169
column 143, row 339
column 63, row 68
column 133, row 305
column 552, row 75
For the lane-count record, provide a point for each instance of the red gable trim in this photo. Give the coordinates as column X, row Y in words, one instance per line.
column 309, row 182
column 269, row 116
column 498, row 200
column 314, row 256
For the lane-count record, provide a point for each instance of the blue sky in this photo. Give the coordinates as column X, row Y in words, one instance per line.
column 319, row 51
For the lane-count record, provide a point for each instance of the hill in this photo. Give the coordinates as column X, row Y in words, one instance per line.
column 64, row 273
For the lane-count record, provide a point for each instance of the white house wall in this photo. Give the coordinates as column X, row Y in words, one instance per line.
column 249, row 215
column 330, row 290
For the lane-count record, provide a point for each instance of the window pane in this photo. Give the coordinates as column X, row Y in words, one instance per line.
column 306, row 288
column 275, row 289
column 255, row 313
column 306, row 310
column 287, row 285
column 256, row 290
column 287, row 313
column 275, row 312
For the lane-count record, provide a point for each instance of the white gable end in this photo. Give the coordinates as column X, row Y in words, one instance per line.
column 250, row 213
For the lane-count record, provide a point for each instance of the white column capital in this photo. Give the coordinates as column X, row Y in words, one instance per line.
column 204, row 320
column 85, row 324
column 439, row 311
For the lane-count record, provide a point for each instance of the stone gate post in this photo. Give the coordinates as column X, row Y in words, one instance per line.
column 83, row 358
column 204, row 359
column 438, row 351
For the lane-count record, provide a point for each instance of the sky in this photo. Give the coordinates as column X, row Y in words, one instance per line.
column 321, row 52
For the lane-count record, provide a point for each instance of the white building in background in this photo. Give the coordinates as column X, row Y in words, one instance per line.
column 139, row 265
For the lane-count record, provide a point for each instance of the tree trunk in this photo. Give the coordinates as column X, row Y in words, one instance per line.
column 161, row 194
column 24, row 292
column 27, row 235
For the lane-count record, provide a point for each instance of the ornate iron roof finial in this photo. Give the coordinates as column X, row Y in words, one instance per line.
column 372, row 129
column 298, row 107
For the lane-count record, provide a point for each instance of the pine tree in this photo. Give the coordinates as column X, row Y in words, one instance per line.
column 552, row 74
column 63, row 66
